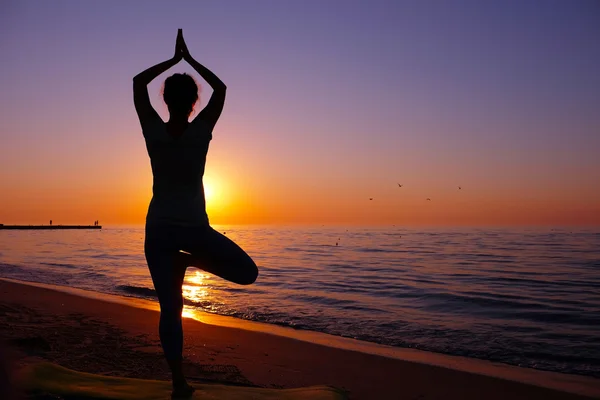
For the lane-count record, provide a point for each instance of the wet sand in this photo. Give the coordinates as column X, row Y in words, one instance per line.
column 92, row 335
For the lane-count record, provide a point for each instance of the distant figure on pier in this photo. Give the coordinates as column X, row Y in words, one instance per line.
column 178, row 233
column 50, row 222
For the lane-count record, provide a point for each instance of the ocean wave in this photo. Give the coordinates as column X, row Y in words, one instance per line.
column 70, row 266
column 137, row 290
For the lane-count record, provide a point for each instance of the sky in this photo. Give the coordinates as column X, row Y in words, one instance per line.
column 329, row 104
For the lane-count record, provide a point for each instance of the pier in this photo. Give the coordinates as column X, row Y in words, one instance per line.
column 45, row 227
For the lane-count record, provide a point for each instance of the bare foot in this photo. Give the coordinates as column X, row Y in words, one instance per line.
column 183, row 391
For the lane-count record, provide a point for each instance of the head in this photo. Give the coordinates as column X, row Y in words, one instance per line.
column 180, row 93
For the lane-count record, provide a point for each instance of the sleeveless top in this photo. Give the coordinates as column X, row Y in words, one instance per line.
column 177, row 168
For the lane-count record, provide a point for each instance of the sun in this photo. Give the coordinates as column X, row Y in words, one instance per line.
column 209, row 192
column 212, row 190
column 217, row 194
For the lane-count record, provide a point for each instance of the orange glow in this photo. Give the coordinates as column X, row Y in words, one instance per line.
column 242, row 189
column 229, row 202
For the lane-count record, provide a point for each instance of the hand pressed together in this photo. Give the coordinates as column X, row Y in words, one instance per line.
column 181, row 50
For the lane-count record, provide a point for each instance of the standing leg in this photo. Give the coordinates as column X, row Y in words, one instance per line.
column 167, row 275
column 216, row 253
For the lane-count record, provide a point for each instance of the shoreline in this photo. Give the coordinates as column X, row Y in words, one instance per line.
column 481, row 369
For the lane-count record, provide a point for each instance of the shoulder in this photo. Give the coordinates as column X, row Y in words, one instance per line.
column 200, row 129
column 153, row 127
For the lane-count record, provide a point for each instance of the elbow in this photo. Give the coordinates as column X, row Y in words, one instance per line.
column 138, row 81
column 221, row 87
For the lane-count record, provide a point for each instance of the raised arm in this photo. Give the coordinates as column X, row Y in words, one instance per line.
column 141, row 100
column 211, row 113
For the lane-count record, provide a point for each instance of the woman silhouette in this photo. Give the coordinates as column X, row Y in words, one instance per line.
column 178, row 233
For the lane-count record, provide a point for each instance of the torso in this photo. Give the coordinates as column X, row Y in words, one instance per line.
column 178, row 157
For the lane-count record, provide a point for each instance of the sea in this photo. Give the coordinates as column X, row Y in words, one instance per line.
column 528, row 297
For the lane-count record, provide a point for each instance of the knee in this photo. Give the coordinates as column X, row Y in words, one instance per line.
column 172, row 313
column 169, row 318
column 249, row 276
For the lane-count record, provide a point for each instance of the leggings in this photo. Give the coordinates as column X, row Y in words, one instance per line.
column 209, row 250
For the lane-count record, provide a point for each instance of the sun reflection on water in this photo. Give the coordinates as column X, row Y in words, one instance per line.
column 194, row 290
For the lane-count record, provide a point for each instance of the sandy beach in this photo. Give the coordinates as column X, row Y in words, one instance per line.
column 92, row 335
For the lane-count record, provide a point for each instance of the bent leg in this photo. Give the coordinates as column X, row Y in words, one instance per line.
column 216, row 253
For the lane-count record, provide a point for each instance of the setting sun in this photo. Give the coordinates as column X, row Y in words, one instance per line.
column 208, row 191
column 212, row 189
column 216, row 193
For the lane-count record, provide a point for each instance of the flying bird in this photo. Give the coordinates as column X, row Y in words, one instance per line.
column 399, row 185
column 370, row 198
column 459, row 188
column 428, row 199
